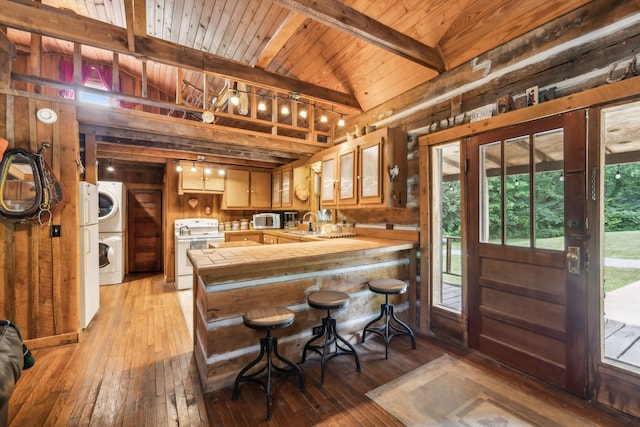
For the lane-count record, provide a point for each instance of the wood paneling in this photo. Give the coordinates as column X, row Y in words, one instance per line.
column 39, row 283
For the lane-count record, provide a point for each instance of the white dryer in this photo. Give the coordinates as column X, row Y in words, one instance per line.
column 111, row 258
column 112, row 207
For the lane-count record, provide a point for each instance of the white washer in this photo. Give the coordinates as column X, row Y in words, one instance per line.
column 111, row 258
column 112, row 207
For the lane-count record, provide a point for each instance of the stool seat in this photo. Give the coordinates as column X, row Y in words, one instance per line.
column 326, row 336
column 268, row 318
column 328, row 300
column 387, row 286
column 391, row 326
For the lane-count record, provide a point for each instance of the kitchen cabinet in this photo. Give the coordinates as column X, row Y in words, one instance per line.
column 199, row 178
column 239, row 237
column 370, row 171
column 247, row 190
column 269, row 239
column 281, row 188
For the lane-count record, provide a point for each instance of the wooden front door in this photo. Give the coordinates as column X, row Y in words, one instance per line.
column 144, row 231
column 527, row 233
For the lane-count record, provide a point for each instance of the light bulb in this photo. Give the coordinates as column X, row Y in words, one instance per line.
column 193, row 167
column 285, row 110
column 618, row 176
column 207, row 170
column 110, row 168
column 303, row 113
column 341, row 121
column 179, row 168
column 261, row 105
column 323, row 118
column 221, row 172
column 234, row 98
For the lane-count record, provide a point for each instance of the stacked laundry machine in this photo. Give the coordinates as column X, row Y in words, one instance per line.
column 112, row 218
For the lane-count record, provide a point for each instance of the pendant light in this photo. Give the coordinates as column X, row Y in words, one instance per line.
column 261, row 105
column 110, row 168
column 193, row 167
column 341, row 121
column 179, row 167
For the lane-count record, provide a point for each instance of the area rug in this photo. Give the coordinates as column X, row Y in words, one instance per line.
column 449, row 392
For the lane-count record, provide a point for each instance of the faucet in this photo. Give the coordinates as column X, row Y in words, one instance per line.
column 310, row 213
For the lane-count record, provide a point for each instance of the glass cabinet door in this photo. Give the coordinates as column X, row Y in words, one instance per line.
column 276, row 200
column 327, row 194
column 348, row 182
column 371, row 172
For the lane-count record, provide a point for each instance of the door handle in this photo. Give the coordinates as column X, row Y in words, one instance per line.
column 573, row 259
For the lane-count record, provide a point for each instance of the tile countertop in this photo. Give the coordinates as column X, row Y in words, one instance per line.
column 206, row 260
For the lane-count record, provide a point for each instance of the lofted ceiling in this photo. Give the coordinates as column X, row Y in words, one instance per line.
column 357, row 54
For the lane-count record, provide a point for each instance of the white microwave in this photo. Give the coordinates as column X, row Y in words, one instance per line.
column 267, row 220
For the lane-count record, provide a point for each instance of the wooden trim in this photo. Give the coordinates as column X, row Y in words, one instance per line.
column 53, row 341
column 625, row 89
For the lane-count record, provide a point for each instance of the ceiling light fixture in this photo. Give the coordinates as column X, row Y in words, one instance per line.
column 303, row 113
column 323, row 117
column 110, row 168
column 193, row 167
column 179, row 167
column 618, row 175
column 341, row 121
column 285, row 110
column 221, row 171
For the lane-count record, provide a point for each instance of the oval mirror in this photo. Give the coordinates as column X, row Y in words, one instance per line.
column 20, row 193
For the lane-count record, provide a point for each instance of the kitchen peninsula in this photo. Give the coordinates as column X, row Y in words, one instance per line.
column 232, row 280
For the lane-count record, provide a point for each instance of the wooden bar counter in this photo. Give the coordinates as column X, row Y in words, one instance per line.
column 229, row 281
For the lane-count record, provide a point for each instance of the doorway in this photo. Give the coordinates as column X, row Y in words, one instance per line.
column 144, row 237
column 527, row 235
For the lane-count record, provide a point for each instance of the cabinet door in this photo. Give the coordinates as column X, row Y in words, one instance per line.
column 327, row 192
column 276, row 191
column 191, row 177
column 347, row 173
column 370, row 188
column 261, row 190
column 213, row 181
column 237, row 192
column 286, row 197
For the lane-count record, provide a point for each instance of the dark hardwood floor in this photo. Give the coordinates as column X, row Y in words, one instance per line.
column 134, row 367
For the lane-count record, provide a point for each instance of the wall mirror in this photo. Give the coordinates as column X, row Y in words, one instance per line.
column 20, row 194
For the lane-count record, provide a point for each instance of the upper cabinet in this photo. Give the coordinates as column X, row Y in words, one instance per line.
column 281, row 188
column 199, row 178
column 247, row 190
column 370, row 171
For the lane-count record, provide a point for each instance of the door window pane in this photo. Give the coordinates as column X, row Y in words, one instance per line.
column 491, row 193
column 549, row 189
column 517, row 195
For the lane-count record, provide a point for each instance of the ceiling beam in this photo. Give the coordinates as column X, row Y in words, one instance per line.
column 288, row 28
column 40, row 19
column 348, row 20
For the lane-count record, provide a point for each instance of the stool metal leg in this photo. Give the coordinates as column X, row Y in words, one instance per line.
column 331, row 337
column 268, row 346
column 386, row 311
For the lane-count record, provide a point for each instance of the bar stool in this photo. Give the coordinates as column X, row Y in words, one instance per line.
column 388, row 287
column 328, row 300
column 268, row 319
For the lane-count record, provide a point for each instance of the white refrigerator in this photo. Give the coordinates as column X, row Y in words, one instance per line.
column 89, row 246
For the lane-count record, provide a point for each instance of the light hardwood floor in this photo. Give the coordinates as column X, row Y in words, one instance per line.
column 134, row 367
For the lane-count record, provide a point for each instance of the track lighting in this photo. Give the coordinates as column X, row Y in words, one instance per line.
column 284, row 110
column 341, row 121
column 618, row 176
column 323, row 117
column 303, row 113
column 221, row 172
column 207, row 170
column 193, row 167
column 179, row 167
column 110, row 168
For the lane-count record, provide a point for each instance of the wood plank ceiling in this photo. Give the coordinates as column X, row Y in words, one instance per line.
column 368, row 50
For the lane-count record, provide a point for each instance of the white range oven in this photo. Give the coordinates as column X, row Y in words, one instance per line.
column 192, row 233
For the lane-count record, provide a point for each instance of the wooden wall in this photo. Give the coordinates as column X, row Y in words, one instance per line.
column 39, row 280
